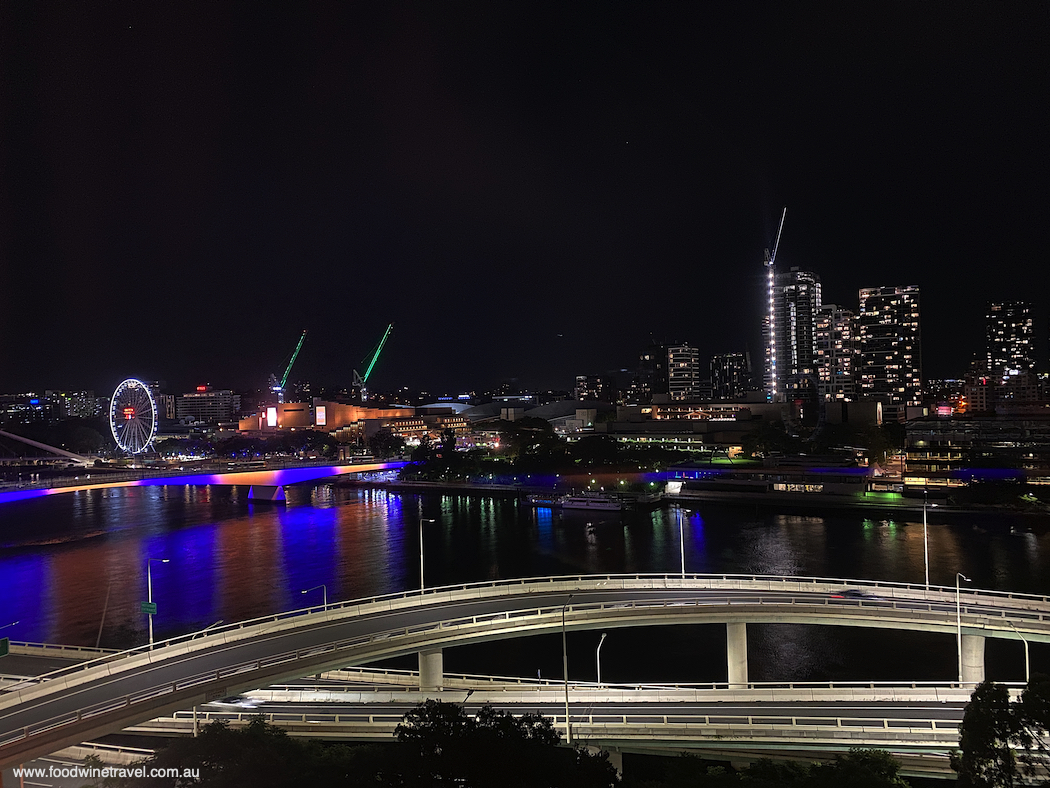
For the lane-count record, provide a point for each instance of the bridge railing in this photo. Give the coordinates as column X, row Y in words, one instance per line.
column 1037, row 610
column 835, row 725
column 104, row 476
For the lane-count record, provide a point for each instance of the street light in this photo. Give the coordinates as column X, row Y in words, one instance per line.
column 422, row 520
column 598, row 658
column 681, row 537
column 926, row 538
column 324, row 590
column 565, row 670
column 958, row 620
column 149, row 590
column 1027, row 664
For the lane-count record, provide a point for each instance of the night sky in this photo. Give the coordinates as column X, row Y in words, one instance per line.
column 528, row 191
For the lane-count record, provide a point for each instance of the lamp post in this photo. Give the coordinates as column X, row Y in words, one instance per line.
column 598, row 658
column 926, row 537
column 565, row 670
column 681, row 538
column 422, row 520
column 324, row 591
column 1027, row 664
column 958, row 620
column 925, row 540
column 149, row 590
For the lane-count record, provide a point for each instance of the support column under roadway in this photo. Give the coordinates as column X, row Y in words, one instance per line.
column 736, row 655
column 431, row 671
column 973, row 658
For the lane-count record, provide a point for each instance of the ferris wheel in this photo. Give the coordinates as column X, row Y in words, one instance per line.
column 133, row 416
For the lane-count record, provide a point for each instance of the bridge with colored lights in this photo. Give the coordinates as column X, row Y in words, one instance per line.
column 265, row 484
column 114, row 692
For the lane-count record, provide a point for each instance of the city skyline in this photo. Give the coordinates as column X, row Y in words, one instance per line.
column 525, row 193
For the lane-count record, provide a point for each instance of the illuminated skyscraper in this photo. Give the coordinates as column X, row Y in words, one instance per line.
column 791, row 352
column 1010, row 340
column 891, row 347
column 730, row 375
column 683, row 372
column 837, row 353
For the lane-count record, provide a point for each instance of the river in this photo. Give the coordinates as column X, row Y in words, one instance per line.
column 62, row 556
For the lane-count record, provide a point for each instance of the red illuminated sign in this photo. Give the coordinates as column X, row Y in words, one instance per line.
column 129, row 413
column 202, row 388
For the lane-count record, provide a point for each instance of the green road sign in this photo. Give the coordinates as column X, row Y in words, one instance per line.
column 149, row 608
column 5, row 644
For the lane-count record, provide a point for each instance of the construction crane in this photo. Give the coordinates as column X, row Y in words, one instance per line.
column 361, row 381
column 277, row 387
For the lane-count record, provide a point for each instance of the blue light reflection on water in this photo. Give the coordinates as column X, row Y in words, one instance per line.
column 232, row 560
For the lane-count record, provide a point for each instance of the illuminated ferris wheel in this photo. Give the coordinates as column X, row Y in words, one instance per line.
column 133, row 416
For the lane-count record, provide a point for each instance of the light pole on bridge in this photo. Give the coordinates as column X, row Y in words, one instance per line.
column 958, row 620
column 565, row 670
column 1027, row 663
column 422, row 583
column 598, row 658
column 324, row 591
column 149, row 591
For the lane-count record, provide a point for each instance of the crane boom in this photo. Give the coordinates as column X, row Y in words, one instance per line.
column 772, row 258
column 379, row 349
column 298, row 347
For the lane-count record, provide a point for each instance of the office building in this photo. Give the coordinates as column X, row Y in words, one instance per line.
column 891, row 348
column 835, row 336
column 1010, row 339
column 683, row 372
column 730, row 375
column 207, row 404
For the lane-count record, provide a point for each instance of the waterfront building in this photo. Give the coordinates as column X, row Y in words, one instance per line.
column 1010, row 338
column 891, row 348
column 979, row 446
column 835, row 337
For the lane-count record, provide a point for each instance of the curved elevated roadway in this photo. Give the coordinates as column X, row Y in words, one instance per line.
column 102, row 696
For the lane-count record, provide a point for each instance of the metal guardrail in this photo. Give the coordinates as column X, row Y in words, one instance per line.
column 410, row 678
column 26, row 648
column 802, row 726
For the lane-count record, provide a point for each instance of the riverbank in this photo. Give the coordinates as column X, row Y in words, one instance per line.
column 877, row 504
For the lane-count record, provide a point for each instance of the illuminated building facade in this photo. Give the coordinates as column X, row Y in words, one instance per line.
column 1010, row 338
column 835, row 336
column 791, row 369
column 208, row 404
column 891, row 347
column 730, row 375
column 71, row 404
column 683, row 372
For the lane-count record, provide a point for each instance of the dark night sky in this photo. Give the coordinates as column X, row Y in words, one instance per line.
column 526, row 190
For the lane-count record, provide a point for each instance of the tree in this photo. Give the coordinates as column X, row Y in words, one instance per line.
column 990, row 723
column 384, row 443
column 495, row 749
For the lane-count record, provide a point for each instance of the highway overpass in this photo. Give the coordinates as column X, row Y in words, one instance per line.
column 83, row 702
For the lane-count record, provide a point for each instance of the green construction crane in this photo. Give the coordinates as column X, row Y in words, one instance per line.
column 360, row 381
column 298, row 347
column 277, row 387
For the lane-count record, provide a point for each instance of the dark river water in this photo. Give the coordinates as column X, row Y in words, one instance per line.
column 62, row 555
